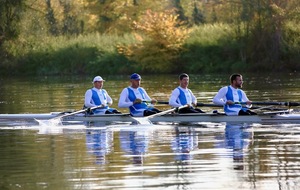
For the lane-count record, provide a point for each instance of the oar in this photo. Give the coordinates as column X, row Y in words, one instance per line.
column 166, row 112
column 273, row 103
column 146, row 120
column 211, row 105
column 262, row 108
column 57, row 120
column 198, row 104
column 76, row 112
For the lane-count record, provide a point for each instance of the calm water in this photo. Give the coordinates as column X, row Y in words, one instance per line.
column 200, row 156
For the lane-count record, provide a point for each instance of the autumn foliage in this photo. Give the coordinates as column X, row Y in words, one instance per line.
column 159, row 40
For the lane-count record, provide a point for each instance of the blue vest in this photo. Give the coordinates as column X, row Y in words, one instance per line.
column 98, row 102
column 133, row 109
column 181, row 97
column 229, row 96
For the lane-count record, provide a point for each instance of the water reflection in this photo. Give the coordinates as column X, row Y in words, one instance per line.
column 99, row 143
column 135, row 144
column 236, row 139
column 184, row 157
column 184, row 142
column 170, row 161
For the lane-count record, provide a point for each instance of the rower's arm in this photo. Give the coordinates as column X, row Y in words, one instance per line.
column 220, row 97
column 146, row 96
column 124, row 102
column 194, row 99
column 109, row 100
column 88, row 99
column 173, row 98
column 244, row 97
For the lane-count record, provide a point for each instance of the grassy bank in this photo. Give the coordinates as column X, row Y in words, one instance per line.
column 209, row 48
column 91, row 53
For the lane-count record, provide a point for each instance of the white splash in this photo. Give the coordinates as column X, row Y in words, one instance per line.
column 52, row 126
column 142, row 120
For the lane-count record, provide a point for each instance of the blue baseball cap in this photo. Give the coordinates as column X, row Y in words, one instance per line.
column 135, row 76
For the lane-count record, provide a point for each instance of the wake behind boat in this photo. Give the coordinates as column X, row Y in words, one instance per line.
column 266, row 117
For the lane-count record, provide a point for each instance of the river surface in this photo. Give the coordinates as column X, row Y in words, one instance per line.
column 197, row 156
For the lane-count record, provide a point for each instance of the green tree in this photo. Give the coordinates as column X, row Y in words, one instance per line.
column 53, row 28
column 179, row 10
column 9, row 18
column 197, row 15
column 52, row 17
column 264, row 24
column 70, row 22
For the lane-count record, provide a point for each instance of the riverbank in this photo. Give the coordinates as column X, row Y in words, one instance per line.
column 210, row 48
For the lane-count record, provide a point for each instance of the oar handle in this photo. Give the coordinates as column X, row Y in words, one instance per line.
column 208, row 105
column 93, row 108
column 162, row 102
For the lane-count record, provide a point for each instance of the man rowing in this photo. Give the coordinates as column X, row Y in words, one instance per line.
column 183, row 96
column 228, row 96
column 97, row 96
column 135, row 98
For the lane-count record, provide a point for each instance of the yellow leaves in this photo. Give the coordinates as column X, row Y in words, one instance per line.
column 92, row 19
column 127, row 51
column 159, row 36
column 138, row 37
column 163, row 26
column 277, row 10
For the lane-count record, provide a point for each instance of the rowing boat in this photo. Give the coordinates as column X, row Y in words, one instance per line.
column 267, row 117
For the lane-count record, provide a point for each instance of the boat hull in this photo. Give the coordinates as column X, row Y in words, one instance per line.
column 168, row 118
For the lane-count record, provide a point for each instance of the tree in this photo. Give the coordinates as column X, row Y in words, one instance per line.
column 197, row 15
column 265, row 25
column 52, row 17
column 9, row 17
column 160, row 37
column 115, row 16
column 53, row 28
column 179, row 10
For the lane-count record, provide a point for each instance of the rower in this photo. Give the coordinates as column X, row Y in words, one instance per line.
column 229, row 95
column 97, row 96
column 135, row 97
column 183, row 96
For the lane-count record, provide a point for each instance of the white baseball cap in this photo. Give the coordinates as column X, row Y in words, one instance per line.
column 98, row 78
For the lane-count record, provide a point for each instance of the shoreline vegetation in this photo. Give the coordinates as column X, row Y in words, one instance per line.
column 159, row 42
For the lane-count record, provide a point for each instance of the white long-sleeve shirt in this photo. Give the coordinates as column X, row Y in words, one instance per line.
column 220, row 98
column 174, row 100
column 124, row 101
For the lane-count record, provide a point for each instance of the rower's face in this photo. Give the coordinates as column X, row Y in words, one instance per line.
column 98, row 84
column 135, row 83
column 184, row 82
column 238, row 82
